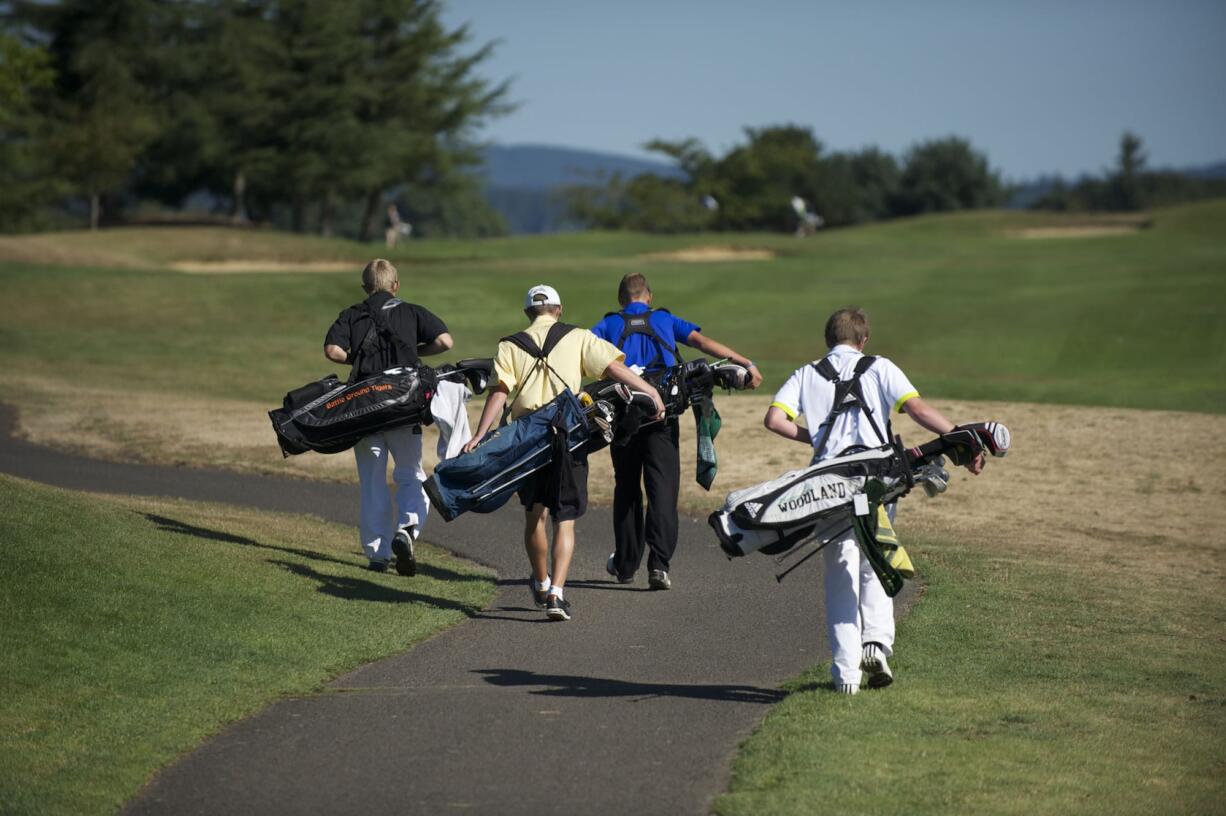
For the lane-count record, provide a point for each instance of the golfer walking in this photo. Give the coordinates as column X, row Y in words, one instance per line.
column 567, row 355
column 652, row 459
column 379, row 333
column 859, row 615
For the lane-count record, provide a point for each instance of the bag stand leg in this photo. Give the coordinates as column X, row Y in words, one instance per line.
column 780, row 576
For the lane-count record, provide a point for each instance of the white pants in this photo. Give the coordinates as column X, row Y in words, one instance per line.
column 857, row 609
column 376, row 524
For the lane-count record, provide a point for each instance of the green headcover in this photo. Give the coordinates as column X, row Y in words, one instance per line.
column 706, row 427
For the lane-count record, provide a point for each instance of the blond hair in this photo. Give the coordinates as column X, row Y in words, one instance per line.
column 379, row 276
column 632, row 287
column 848, row 325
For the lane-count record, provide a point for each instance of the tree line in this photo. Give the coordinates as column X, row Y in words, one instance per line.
column 297, row 112
column 1127, row 186
column 752, row 186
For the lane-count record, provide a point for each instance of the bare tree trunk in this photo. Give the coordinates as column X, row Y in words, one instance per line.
column 325, row 217
column 95, row 210
column 238, row 207
column 368, row 214
column 298, row 214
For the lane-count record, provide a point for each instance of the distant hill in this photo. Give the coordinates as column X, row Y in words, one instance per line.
column 523, row 182
column 543, row 167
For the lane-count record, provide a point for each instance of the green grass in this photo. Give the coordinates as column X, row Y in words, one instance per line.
column 1134, row 321
column 135, row 628
column 1022, row 688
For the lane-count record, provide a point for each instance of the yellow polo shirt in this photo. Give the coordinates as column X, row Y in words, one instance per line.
column 579, row 354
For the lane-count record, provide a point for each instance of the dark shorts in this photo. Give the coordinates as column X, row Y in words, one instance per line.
column 570, row 504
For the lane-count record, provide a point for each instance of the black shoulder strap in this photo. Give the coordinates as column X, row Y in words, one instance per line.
column 370, row 347
column 847, row 394
column 640, row 323
column 554, row 336
column 524, row 341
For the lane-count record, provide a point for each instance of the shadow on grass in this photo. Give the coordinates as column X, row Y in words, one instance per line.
column 170, row 525
column 357, row 589
column 569, row 685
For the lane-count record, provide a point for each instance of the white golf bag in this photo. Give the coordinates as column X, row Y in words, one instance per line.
column 847, row 493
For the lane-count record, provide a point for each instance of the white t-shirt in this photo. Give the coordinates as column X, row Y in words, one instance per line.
column 807, row 392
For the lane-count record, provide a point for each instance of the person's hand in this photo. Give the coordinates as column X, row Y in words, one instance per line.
column 655, row 395
column 976, row 465
column 755, row 378
column 472, row 444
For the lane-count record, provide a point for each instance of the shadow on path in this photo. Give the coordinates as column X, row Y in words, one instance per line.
column 356, row 589
column 569, row 685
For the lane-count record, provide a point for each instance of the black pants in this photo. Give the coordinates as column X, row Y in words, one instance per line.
column 653, row 456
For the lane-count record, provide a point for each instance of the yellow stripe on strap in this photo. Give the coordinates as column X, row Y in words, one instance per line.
column 901, row 400
column 791, row 414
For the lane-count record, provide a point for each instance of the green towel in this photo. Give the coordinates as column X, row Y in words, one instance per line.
column 706, row 427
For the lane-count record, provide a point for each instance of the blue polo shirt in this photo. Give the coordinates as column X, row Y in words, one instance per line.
column 640, row 349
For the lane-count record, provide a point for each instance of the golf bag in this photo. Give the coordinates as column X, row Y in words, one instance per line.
column 680, row 387
column 848, row 493
column 483, row 479
column 329, row 416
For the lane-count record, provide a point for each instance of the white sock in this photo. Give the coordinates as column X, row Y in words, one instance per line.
column 556, row 591
column 541, row 586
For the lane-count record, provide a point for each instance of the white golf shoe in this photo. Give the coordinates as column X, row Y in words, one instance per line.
column 873, row 663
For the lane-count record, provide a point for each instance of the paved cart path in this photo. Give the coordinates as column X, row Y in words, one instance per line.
column 635, row 706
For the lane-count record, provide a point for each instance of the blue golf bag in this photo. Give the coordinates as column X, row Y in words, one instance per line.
column 483, row 480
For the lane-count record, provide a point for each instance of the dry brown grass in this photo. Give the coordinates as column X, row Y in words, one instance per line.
column 711, row 254
column 240, row 266
column 1135, row 487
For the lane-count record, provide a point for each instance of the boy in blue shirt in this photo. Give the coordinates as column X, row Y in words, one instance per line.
column 649, row 338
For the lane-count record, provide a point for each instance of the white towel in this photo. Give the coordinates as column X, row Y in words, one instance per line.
column 451, row 418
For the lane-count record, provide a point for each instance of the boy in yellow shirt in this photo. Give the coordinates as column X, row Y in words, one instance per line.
column 564, row 356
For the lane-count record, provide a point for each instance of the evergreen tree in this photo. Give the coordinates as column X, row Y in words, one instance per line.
column 25, row 179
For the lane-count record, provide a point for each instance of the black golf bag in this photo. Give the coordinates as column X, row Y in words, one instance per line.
column 329, row 416
column 680, row 387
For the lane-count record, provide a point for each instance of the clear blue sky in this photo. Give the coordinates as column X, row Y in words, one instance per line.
column 1039, row 86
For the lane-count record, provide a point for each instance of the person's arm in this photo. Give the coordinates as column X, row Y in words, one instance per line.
column 436, row 346
column 715, row 348
column 335, row 353
column 778, row 422
column 494, row 404
column 617, row 370
column 929, row 418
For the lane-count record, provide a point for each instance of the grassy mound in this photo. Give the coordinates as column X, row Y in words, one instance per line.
column 135, row 628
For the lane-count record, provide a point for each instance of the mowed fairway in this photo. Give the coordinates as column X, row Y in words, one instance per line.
column 1069, row 653
column 967, row 308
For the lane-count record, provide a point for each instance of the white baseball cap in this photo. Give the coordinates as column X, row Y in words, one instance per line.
column 542, row 295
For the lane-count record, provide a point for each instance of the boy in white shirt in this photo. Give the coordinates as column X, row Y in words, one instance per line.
column 859, row 615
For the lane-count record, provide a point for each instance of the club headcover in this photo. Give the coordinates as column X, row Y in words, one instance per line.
column 477, row 372
column 968, row 441
column 731, row 375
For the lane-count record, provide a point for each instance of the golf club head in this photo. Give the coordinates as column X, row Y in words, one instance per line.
column 602, row 416
column 934, row 479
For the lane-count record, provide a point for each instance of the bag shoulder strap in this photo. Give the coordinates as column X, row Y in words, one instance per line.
column 640, row 323
column 540, row 354
column 847, row 394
